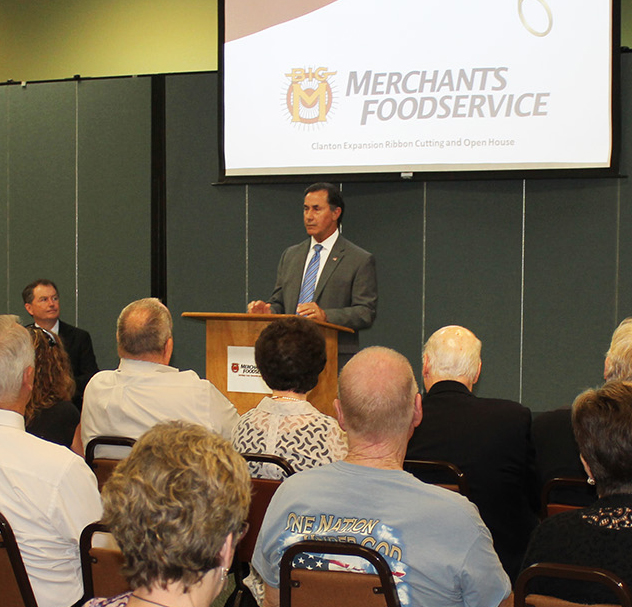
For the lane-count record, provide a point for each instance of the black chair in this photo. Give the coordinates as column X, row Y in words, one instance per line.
column 262, row 491
column 435, row 472
column 565, row 493
column 300, row 587
column 100, row 567
column 570, row 572
column 103, row 466
column 15, row 586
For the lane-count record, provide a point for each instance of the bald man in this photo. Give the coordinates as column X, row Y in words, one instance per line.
column 433, row 539
column 488, row 439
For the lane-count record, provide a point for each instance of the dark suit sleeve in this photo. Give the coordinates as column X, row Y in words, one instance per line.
column 86, row 362
column 276, row 301
column 361, row 311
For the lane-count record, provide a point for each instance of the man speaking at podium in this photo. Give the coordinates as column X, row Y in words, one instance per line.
column 326, row 277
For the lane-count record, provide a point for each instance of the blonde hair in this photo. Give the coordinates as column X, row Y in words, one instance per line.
column 173, row 502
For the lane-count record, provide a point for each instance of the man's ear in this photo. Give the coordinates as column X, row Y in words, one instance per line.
column 29, row 308
column 28, row 377
column 168, row 350
column 478, row 373
column 426, row 367
column 418, row 410
column 339, row 414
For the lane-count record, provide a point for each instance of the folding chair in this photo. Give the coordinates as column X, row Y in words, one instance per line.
column 324, row 587
column 102, row 466
column 100, row 567
column 435, row 472
column 570, row 572
column 262, row 491
column 15, row 586
column 556, row 488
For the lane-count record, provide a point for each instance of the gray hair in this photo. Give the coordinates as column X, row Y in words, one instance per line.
column 619, row 356
column 16, row 356
column 143, row 327
column 453, row 352
column 377, row 391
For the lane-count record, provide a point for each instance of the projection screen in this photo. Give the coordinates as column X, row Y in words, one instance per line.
column 417, row 86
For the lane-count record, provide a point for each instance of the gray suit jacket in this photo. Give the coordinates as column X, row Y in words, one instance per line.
column 346, row 289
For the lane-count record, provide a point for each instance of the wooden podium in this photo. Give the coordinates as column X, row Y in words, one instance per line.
column 224, row 330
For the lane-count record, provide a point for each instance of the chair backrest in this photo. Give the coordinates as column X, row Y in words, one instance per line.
column 323, row 587
column 15, row 586
column 570, row 572
column 101, row 466
column 444, row 474
column 262, row 492
column 551, row 506
column 100, row 567
column 268, row 458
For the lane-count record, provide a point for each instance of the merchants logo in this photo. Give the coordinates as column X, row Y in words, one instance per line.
column 309, row 97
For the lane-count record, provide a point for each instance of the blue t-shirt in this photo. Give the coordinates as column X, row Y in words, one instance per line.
column 437, row 547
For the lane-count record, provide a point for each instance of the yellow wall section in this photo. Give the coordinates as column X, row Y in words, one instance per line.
column 56, row 39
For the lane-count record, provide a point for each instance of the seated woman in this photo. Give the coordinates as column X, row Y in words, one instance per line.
column 601, row 534
column 50, row 413
column 290, row 354
column 176, row 507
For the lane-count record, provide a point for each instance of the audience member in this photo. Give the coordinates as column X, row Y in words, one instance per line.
column 176, row 507
column 144, row 389
column 557, row 453
column 41, row 300
column 290, row 354
column 601, row 534
column 432, row 538
column 47, row 493
column 50, row 413
column 488, row 439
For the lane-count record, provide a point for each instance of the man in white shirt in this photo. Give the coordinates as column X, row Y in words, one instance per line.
column 47, row 493
column 145, row 390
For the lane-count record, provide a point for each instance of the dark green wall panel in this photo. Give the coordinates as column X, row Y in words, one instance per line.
column 473, row 273
column 114, row 214
column 5, row 293
column 206, row 223
column 42, row 195
column 570, row 272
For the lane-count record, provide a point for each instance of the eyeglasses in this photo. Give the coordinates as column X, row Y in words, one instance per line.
column 243, row 530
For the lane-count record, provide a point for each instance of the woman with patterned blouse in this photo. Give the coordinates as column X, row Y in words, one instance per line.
column 290, row 354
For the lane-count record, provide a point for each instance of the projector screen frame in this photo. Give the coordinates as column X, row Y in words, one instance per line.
column 611, row 171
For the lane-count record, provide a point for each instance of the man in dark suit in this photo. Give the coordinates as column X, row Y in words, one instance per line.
column 41, row 300
column 326, row 277
column 488, row 439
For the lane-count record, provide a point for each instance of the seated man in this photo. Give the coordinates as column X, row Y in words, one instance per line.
column 435, row 541
column 47, row 493
column 488, row 439
column 41, row 300
column 144, row 390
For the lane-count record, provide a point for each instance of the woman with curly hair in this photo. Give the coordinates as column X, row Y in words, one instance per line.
column 50, row 413
column 176, row 507
column 290, row 354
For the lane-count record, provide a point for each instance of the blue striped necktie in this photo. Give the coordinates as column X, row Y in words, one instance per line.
column 309, row 282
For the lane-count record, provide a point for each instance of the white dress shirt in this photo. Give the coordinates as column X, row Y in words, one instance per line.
column 48, row 494
column 139, row 394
